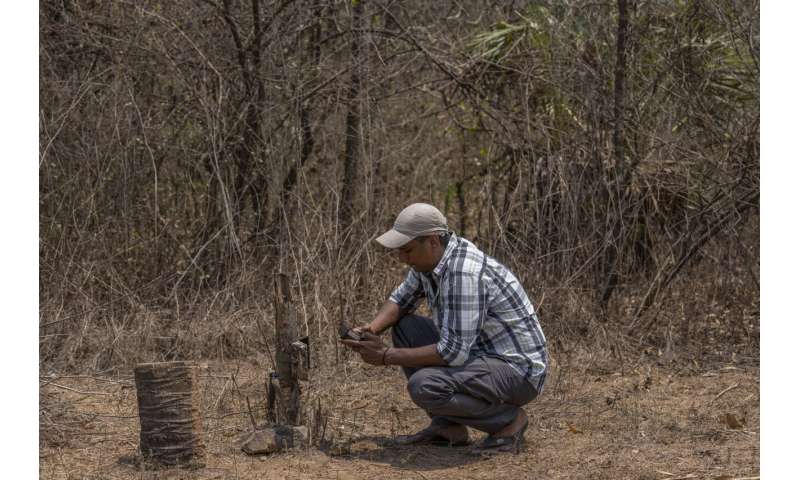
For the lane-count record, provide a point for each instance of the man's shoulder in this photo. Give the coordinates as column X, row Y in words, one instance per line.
column 466, row 257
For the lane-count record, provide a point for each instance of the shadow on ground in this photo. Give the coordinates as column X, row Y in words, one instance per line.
column 409, row 457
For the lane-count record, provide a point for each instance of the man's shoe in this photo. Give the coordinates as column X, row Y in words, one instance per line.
column 510, row 444
column 448, row 436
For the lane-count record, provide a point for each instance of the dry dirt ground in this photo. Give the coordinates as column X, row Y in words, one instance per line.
column 594, row 422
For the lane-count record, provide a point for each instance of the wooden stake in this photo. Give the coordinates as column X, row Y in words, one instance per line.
column 288, row 359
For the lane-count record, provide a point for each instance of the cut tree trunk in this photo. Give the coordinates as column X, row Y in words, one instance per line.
column 169, row 413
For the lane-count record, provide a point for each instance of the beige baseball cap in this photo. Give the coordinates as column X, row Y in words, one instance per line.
column 415, row 220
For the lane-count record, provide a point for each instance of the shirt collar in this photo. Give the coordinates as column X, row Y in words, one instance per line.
column 448, row 251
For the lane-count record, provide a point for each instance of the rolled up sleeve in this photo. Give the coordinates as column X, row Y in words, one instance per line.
column 462, row 314
column 408, row 295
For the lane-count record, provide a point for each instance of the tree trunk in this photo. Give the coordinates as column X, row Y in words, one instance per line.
column 352, row 150
column 613, row 238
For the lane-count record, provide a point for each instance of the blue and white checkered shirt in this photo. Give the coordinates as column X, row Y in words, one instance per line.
column 480, row 308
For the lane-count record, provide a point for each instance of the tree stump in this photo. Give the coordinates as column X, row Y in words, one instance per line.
column 169, row 414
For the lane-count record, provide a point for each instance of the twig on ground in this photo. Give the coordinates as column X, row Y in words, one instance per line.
column 221, row 394
column 735, row 385
column 226, row 415
column 78, row 391
column 50, row 378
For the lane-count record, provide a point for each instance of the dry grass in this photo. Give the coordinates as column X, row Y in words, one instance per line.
column 650, row 405
column 644, row 421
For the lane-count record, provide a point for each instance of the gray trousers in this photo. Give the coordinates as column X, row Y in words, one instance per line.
column 484, row 393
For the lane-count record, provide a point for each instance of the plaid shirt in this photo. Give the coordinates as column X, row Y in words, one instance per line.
column 480, row 309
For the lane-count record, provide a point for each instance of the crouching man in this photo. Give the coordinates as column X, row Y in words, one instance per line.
column 481, row 357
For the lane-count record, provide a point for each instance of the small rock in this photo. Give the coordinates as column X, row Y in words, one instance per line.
column 273, row 439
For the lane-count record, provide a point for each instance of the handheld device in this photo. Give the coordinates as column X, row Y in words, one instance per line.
column 347, row 333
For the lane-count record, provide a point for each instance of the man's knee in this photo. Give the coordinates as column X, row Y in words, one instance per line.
column 428, row 388
column 413, row 331
column 398, row 337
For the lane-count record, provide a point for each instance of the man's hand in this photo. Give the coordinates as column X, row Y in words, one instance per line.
column 367, row 327
column 371, row 348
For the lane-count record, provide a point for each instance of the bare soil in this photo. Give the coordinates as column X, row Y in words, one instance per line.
column 594, row 421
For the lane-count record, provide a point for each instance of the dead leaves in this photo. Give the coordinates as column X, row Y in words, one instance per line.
column 573, row 429
column 732, row 421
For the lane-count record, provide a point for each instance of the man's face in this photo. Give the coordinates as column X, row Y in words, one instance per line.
column 420, row 254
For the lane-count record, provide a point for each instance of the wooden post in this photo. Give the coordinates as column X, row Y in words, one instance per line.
column 169, row 413
column 292, row 362
column 289, row 358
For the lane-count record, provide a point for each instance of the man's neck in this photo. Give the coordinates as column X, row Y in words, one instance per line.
column 439, row 250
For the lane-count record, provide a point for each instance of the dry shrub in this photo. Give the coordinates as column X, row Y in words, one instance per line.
column 613, row 166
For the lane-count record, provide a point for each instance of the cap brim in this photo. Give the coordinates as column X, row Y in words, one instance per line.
column 393, row 239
